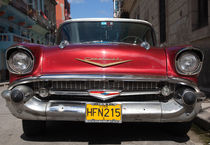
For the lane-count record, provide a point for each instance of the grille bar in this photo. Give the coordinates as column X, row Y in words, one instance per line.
column 87, row 85
column 80, row 93
column 119, row 98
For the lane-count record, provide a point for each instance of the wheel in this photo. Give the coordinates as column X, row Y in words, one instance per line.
column 33, row 128
column 179, row 128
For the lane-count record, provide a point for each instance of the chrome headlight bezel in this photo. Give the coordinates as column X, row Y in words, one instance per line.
column 193, row 51
column 19, row 49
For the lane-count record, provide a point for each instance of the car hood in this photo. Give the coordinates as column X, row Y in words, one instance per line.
column 104, row 59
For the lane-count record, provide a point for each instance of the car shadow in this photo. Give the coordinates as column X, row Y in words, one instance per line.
column 105, row 133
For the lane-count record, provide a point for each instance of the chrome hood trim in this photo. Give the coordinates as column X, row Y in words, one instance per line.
column 95, row 77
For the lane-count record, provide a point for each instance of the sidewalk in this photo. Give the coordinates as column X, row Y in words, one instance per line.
column 203, row 118
column 3, row 84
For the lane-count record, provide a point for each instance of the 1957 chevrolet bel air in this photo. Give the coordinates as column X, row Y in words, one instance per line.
column 103, row 71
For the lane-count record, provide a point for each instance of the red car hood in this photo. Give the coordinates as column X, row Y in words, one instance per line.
column 104, row 59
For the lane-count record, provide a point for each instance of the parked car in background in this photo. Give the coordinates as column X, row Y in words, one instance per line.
column 103, row 71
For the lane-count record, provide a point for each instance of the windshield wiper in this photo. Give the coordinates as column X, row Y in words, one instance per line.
column 95, row 41
column 104, row 42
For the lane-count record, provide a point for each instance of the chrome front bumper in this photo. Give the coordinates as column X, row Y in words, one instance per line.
column 33, row 108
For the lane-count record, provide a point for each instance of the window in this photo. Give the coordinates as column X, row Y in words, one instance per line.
column 11, row 29
column 30, row 1
column 124, row 15
column 116, row 6
column 137, row 16
column 199, row 14
column 46, row 11
column 36, row 4
column 2, row 29
column 67, row 6
column 149, row 37
column 106, row 32
column 162, row 14
column 41, row 5
column 202, row 13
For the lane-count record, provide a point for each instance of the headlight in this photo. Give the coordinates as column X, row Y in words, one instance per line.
column 20, row 62
column 188, row 63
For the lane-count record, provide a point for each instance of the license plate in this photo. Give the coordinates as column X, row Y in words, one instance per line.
column 107, row 113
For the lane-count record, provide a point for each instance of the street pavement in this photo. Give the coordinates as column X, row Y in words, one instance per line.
column 203, row 118
column 67, row 133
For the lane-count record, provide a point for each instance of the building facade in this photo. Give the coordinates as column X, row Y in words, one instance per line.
column 62, row 11
column 25, row 21
column 176, row 22
column 117, row 8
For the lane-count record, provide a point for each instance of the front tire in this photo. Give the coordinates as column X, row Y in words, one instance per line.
column 33, row 128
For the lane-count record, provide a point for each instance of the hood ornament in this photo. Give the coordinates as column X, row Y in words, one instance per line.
column 90, row 61
column 104, row 94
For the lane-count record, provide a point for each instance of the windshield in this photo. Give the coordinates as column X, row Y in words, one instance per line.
column 106, row 32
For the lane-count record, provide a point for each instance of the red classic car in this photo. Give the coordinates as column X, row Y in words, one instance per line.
column 103, row 71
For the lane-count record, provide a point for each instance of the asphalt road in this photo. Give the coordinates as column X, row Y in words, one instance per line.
column 67, row 133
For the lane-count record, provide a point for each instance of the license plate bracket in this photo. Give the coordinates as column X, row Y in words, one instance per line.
column 103, row 113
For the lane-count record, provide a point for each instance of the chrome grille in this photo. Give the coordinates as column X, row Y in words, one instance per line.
column 119, row 98
column 87, row 85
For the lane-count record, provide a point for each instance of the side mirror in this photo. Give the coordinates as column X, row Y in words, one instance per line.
column 146, row 45
column 63, row 44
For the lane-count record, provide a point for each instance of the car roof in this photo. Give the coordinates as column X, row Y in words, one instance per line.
column 107, row 19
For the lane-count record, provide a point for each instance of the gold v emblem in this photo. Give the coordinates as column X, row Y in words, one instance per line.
column 103, row 65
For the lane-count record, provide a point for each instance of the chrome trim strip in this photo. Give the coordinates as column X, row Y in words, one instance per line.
column 95, row 77
column 101, row 77
column 86, row 77
column 106, row 19
column 184, row 82
column 140, row 93
column 79, row 93
column 71, row 93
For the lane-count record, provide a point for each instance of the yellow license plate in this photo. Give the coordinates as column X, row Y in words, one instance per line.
column 103, row 113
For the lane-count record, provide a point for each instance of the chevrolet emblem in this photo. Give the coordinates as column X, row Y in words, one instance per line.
column 104, row 94
column 90, row 61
